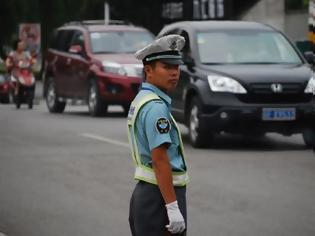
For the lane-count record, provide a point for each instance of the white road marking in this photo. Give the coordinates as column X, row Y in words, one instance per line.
column 106, row 140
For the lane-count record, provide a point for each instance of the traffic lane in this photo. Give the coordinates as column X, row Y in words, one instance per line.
column 251, row 186
column 65, row 194
column 113, row 125
column 54, row 180
column 232, row 190
column 236, row 192
column 262, row 186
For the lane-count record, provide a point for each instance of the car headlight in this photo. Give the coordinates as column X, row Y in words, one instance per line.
column 310, row 87
column 134, row 70
column 225, row 84
column 113, row 67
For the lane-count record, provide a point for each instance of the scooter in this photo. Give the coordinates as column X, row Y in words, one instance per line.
column 25, row 80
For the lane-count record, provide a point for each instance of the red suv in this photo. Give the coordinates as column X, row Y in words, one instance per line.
column 93, row 62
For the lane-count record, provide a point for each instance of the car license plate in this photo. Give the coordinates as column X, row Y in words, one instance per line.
column 278, row 114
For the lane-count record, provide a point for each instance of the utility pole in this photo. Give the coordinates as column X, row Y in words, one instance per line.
column 106, row 13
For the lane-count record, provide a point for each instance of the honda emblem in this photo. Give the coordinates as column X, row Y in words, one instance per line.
column 276, row 88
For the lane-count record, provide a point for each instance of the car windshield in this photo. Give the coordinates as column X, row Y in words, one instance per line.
column 245, row 47
column 119, row 41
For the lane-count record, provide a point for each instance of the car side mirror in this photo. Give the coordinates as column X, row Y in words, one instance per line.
column 76, row 49
column 310, row 57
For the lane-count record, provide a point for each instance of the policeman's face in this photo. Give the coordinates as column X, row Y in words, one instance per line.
column 162, row 75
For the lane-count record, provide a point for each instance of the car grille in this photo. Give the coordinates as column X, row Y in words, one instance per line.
column 262, row 93
column 287, row 88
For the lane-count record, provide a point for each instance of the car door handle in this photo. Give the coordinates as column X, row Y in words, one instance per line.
column 68, row 61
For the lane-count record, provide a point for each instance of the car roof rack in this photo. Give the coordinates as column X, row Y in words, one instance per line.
column 96, row 22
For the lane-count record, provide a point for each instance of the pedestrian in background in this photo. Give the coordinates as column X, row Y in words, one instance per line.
column 158, row 203
column 18, row 55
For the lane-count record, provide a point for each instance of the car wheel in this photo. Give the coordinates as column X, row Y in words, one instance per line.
column 53, row 105
column 199, row 137
column 30, row 102
column 18, row 105
column 97, row 107
column 309, row 137
column 30, row 98
column 18, row 100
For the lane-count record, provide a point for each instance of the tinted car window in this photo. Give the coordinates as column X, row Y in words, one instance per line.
column 62, row 40
column 78, row 38
column 119, row 41
column 53, row 39
column 245, row 47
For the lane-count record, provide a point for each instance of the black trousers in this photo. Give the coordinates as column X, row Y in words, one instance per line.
column 147, row 213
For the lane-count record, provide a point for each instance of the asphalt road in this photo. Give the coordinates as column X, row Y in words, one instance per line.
column 71, row 174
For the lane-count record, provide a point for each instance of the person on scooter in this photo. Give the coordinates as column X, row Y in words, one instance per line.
column 19, row 55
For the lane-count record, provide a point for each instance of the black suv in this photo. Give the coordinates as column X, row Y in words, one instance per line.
column 242, row 77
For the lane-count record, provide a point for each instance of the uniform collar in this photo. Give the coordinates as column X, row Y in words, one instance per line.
column 158, row 92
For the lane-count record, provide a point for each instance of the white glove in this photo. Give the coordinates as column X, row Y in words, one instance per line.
column 177, row 222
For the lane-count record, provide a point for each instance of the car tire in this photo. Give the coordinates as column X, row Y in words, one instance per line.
column 30, row 102
column 97, row 107
column 52, row 102
column 18, row 101
column 19, row 98
column 30, row 98
column 309, row 137
column 198, row 136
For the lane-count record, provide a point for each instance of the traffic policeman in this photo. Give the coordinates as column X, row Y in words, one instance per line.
column 158, row 202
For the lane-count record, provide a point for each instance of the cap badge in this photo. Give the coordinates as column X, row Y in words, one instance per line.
column 173, row 45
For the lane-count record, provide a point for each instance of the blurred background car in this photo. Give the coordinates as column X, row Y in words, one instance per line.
column 93, row 62
column 242, row 77
column 4, row 89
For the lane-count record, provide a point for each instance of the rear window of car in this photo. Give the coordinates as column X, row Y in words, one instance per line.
column 119, row 41
column 245, row 47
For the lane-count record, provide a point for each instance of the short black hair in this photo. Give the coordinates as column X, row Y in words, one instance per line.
column 150, row 63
